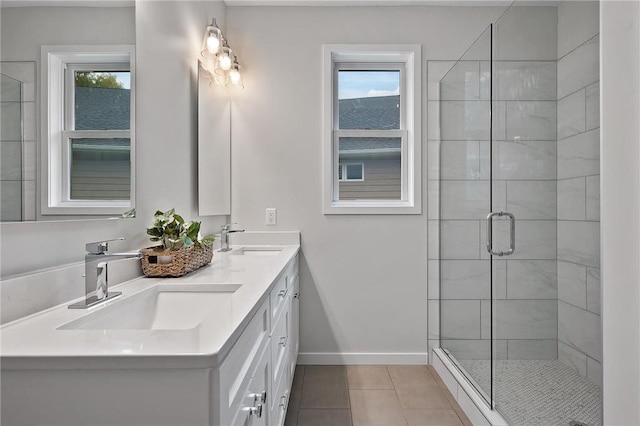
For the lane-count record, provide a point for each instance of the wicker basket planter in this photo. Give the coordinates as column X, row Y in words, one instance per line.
column 160, row 262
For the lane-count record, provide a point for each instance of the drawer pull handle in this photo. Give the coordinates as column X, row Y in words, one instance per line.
column 254, row 411
column 283, row 401
column 283, row 341
column 282, row 293
column 258, row 397
column 297, row 295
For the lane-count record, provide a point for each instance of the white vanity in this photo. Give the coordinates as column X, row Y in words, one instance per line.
column 215, row 347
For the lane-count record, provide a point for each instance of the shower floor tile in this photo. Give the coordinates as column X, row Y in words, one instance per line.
column 540, row 392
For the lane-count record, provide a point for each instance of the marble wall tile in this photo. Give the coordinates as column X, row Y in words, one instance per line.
column 433, row 120
column 10, row 90
column 580, row 329
column 433, row 160
column 571, row 199
column 532, row 349
column 531, row 120
column 499, row 120
column 433, row 278
column 571, row 115
column 460, row 239
column 464, row 199
column 525, row 319
column 10, row 113
column 434, row 319
column 460, row 120
column 433, row 239
column 461, row 82
column 572, row 358
column 525, row 160
column 10, row 201
column 435, row 71
column 433, row 199
column 29, row 118
column 593, row 197
column 579, row 155
column 525, row 80
column 593, row 290
column 594, row 371
column 572, row 284
column 29, row 200
column 579, row 68
column 470, row 279
column 485, row 80
column 532, row 279
column 24, row 72
column 475, row 348
column 532, row 199
column 460, row 160
column 460, row 319
column 579, row 242
column 499, row 196
column 11, row 161
column 535, row 239
column 593, row 106
column 29, row 160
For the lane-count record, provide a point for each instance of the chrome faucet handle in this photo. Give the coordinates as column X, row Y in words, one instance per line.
column 227, row 226
column 100, row 247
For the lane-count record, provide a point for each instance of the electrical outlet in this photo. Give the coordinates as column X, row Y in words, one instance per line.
column 271, row 216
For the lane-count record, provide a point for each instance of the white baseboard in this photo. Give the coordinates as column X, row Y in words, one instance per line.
column 341, row 358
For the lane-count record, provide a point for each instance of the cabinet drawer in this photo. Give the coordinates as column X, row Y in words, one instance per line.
column 237, row 369
column 257, row 387
column 280, row 401
column 280, row 343
column 282, row 289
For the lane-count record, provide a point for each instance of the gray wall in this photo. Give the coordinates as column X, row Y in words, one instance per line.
column 579, row 335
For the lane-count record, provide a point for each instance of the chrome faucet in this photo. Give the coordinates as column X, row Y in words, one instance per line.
column 96, row 282
column 224, row 236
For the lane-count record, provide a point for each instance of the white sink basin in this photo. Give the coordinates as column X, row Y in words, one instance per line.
column 256, row 251
column 161, row 307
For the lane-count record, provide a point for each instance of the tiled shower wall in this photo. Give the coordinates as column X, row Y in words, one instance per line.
column 524, row 148
column 579, row 335
column 18, row 144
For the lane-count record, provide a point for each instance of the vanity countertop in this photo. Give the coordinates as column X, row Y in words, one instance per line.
column 36, row 342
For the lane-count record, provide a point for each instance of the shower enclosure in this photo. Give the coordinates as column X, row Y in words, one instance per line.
column 505, row 270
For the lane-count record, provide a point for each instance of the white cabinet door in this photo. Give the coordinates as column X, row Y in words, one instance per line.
column 294, row 327
column 255, row 407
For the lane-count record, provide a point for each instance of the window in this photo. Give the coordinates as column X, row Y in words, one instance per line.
column 372, row 121
column 351, row 172
column 89, row 122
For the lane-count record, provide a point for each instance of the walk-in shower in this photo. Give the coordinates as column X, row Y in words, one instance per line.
column 519, row 223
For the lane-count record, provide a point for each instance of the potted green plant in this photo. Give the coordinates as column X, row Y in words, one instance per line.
column 182, row 248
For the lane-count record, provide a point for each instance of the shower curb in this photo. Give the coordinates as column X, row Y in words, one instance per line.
column 467, row 397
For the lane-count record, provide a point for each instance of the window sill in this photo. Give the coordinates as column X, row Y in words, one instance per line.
column 372, row 207
column 93, row 208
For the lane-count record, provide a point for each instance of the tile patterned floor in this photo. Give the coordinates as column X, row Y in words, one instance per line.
column 329, row 395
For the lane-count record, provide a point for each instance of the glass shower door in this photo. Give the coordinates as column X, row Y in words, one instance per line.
column 466, row 272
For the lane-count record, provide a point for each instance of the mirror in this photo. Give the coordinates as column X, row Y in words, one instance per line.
column 214, row 146
column 25, row 28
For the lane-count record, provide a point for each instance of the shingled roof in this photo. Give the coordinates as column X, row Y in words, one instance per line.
column 100, row 108
column 380, row 113
column 377, row 113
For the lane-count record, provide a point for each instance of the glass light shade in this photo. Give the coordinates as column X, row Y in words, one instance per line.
column 213, row 42
column 225, row 60
column 234, row 76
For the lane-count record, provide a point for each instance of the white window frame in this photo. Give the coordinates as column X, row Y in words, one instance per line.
column 406, row 58
column 58, row 66
column 344, row 165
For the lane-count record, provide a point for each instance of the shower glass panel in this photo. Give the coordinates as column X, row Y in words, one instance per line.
column 465, row 201
column 11, row 149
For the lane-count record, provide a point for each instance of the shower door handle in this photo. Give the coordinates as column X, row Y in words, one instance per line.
column 512, row 233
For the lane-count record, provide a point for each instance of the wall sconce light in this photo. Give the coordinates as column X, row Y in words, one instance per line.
column 219, row 59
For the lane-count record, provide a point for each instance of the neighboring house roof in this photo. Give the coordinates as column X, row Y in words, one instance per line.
column 99, row 108
column 380, row 113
